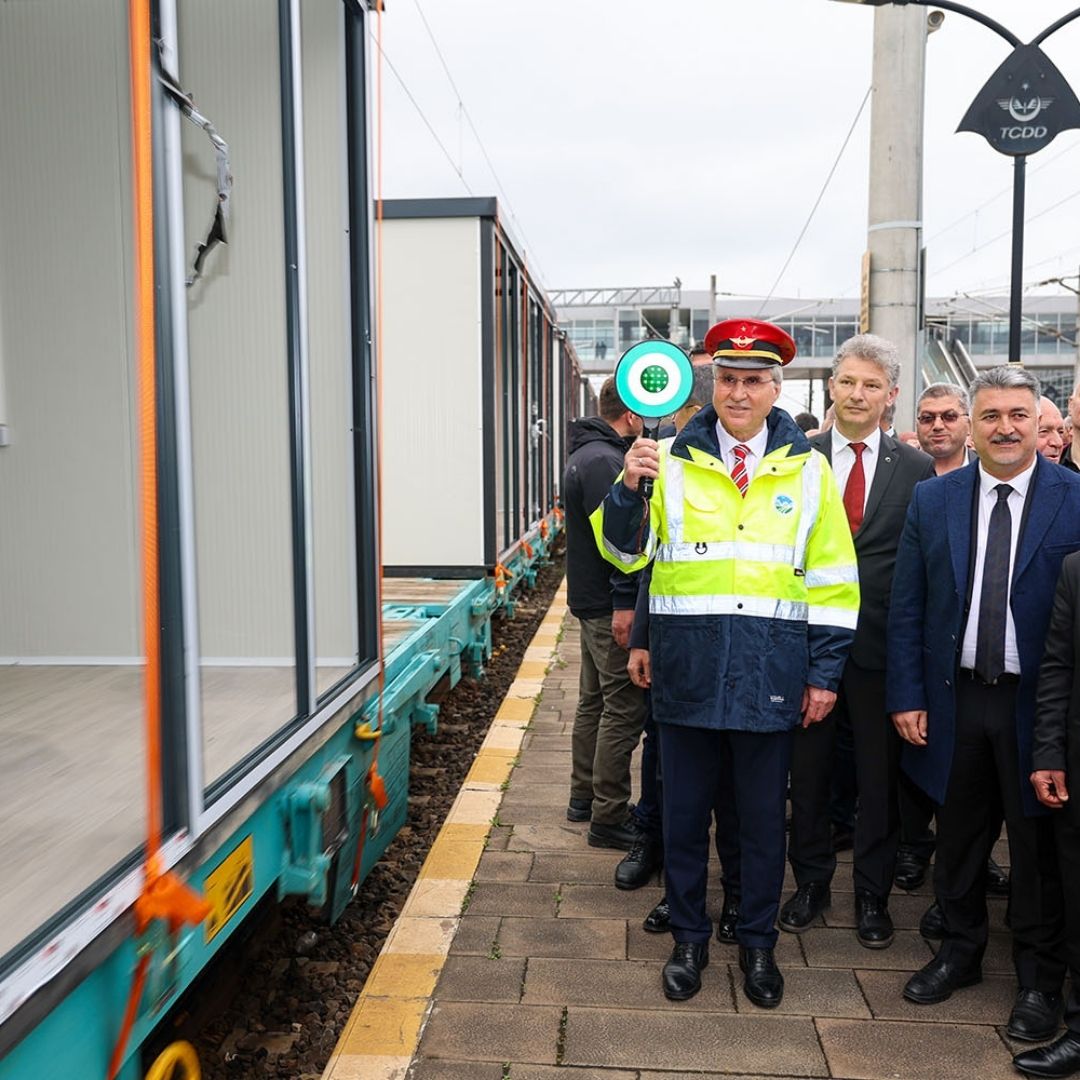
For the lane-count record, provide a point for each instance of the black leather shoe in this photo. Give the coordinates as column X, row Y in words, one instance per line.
column 805, row 906
column 937, row 981
column 875, row 925
column 729, row 917
column 639, row 864
column 910, row 869
column 658, row 921
column 682, row 972
column 763, row 984
column 1035, row 1017
column 1061, row 1058
column 621, row 837
column 843, row 838
column 579, row 810
column 997, row 879
column 932, row 924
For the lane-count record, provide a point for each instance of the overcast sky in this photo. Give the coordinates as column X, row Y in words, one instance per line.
column 638, row 142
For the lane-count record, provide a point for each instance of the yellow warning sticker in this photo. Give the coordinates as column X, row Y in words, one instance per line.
column 229, row 886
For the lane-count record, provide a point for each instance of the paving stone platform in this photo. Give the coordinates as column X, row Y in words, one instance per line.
column 551, row 976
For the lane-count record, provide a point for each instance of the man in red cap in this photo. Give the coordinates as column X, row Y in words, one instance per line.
column 752, row 608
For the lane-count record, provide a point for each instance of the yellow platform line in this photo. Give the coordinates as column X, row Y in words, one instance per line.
column 383, row 1031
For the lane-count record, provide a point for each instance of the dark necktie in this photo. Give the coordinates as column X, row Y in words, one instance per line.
column 855, row 489
column 738, row 473
column 994, row 593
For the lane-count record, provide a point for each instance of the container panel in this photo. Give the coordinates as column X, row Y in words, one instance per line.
column 433, row 470
column 70, row 626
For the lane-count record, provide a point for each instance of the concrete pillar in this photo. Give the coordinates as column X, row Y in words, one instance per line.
column 896, row 170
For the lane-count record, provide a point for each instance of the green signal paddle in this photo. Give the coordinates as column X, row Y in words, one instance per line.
column 654, row 379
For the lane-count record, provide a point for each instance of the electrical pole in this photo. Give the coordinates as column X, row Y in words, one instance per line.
column 896, row 172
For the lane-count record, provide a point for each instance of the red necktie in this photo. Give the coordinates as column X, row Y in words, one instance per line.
column 855, row 491
column 738, row 473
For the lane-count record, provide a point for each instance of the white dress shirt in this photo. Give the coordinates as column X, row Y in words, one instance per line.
column 987, row 497
column 843, row 459
column 755, row 445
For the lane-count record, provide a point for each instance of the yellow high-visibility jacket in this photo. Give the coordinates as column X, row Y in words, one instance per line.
column 752, row 598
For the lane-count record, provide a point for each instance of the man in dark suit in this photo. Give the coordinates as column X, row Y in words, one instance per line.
column 972, row 594
column 1055, row 759
column 877, row 474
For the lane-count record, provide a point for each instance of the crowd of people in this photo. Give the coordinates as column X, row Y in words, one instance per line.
column 836, row 636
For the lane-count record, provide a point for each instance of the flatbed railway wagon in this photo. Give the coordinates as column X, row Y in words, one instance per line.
column 283, row 771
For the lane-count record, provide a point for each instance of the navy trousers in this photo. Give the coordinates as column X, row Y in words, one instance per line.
column 692, row 766
column 649, row 811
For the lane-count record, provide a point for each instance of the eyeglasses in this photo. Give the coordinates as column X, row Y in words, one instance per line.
column 750, row 382
column 926, row 419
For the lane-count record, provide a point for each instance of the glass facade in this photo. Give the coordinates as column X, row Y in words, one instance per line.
column 985, row 335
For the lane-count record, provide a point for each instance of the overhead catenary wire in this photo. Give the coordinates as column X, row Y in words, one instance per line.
column 1002, row 235
column 994, row 286
column 817, row 202
column 1004, row 191
column 993, row 309
column 427, row 123
column 464, row 112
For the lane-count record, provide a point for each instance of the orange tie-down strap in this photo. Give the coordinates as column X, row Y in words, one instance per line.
column 163, row 896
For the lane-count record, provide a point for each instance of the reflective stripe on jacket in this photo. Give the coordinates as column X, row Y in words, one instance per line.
column 752, row 598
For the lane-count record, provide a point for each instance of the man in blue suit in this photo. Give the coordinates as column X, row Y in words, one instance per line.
column 971, row 601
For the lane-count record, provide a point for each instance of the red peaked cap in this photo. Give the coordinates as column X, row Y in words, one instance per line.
column 748, row 343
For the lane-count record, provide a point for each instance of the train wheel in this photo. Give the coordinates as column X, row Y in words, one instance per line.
column 177, row 1061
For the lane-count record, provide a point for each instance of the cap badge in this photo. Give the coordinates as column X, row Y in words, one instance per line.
column 742, row 342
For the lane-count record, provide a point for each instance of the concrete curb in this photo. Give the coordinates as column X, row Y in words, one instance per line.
column 382, row 1033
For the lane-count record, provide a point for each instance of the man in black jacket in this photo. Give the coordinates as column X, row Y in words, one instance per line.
column 611, row 710
column 1056, row 757
column 877, row 474
column 1070, row 450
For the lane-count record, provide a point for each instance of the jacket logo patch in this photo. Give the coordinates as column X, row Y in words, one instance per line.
column 783, row 504
column 776, row 699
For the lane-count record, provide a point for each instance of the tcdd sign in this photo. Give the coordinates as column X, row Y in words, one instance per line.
column 1024, row 106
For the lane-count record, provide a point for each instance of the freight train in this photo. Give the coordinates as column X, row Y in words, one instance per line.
column 296, row 654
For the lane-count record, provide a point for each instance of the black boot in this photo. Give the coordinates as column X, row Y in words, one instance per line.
column 639, row 864
column 932, row 924
column 579, row 810
column 805, row 906
column 621, row 837
column 937, row 980
column 682, row 972
column 729, row 917
column 997, row 879
column 1061, row 1058
column 658, row 920
column 910, row 869
column 875, row 926
column 763, row 984
column 1035, row 1017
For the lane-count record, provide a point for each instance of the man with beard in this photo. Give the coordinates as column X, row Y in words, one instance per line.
column 943, row 424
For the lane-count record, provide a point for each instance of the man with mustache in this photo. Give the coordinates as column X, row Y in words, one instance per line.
column 972, row 594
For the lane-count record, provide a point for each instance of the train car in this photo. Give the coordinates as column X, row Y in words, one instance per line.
column 283, row 770
column 491, row 378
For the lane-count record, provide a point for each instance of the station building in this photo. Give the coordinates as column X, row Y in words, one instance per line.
column 962, row 333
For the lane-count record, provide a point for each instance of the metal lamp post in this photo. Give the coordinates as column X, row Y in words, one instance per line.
column 1023, row 107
